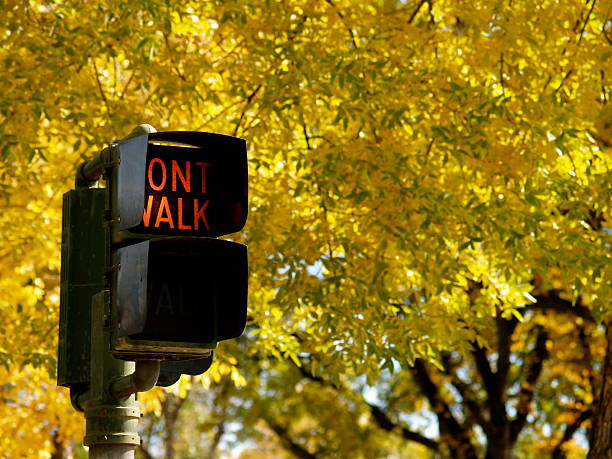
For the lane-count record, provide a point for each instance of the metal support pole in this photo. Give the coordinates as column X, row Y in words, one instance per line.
column 111, row 424
column 111, row 452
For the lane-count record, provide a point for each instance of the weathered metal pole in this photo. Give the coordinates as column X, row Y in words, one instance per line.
column 110, row 406
column 111, row 452
column 110, row 423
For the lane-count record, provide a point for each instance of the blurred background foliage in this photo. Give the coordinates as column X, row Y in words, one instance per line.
column 429, row 229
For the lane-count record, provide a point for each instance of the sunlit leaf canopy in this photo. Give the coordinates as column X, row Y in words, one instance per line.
column 398, row 153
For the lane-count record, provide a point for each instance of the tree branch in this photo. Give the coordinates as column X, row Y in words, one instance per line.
column 145, row 452
column 565, row 78
column 416, row 11
column 532, row 369
column 588, row 359
column 288, row 443
column 127, row 85
column 175, row 66
column 385, row 423
column 380, row 417
column 101, row 90
column 145, row 439
column 432, row 19
column 246, row 106
column 600, row 436
column 552, row 302
column 484, row 368
column 171, row 407
column 341, row 16
column 214, row 117
column 58, row 446
column 586, row 21
column 306, row 136
column 570, row 430
column 468, row 398
column 496, row 397
column 501, row 73
column 222, row 402
column 605, row 34
column 451, row 431
column 505, row 330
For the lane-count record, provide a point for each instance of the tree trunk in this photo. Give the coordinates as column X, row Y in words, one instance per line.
column 498, row 443
column 221, row 401
column 170, row 409
column 505, row 453
column 601, row 435
column 58, row 448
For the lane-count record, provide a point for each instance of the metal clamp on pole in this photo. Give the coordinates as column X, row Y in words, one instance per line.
column 90, row 171
column 144, row 378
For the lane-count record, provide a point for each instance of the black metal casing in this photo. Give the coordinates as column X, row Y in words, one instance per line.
column 150, row 239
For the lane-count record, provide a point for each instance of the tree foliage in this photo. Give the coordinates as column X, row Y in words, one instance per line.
column 422, row 175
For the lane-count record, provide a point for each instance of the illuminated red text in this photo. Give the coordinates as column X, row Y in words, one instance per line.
column 175, row 197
